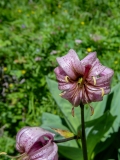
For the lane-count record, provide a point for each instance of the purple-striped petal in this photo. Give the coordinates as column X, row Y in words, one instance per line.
column 73, row 95
column 96, row 70
column 60, row 75
column 89, row 59
column 71, row 65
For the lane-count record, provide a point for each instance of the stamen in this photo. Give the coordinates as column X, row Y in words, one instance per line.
column 91, row 109
column 67, row 79
column 94, row 79
column 103, row 92
column 80, row 80
column 62, row 93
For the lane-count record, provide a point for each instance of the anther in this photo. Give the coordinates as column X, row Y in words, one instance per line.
column 103, row 92
column 94, row 79
column 91, row 109
column 72, row 111
column 61, row 94
column 67, row 79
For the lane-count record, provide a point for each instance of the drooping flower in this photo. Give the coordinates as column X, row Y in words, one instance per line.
column 35, row 143
column 82, row 81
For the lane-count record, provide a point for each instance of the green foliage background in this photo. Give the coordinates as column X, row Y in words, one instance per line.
column 32, row 34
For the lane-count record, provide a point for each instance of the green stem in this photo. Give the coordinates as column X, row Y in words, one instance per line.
column 83, row 138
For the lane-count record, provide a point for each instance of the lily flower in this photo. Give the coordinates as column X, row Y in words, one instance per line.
column 82, row 81
column 35, row 143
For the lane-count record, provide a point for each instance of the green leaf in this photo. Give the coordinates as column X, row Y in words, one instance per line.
column 114, row 100
column 98, row 127
column 71, row 153
column 106, row 149
column 53, row 121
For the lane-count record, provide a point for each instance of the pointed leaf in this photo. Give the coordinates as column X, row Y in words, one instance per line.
column 98, row 129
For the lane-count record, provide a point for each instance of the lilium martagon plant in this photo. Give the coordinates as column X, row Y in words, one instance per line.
column 82, row 82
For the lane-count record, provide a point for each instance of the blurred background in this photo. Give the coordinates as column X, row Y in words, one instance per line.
column 32, row 34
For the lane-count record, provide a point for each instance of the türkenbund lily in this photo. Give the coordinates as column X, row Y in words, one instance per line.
column 82, row 81
column 35, row 143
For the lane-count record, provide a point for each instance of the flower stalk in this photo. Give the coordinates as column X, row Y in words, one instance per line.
column 83, row 138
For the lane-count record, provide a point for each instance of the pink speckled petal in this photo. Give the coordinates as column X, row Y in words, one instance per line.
column 19, row 147
column 107, row 71
column 60, row 74
column 71, row 65
column 96, row 70
column 73, row 95
column 89, row 59
column 48, row 152
column 102, row 81
column 65, row 86
column 95, row 93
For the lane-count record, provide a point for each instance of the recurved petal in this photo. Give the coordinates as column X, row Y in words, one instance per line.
column 48, row 152
column 93, row 95
column 71, row 65
column 97, row 70
column 60, row 74
column 59, row 70
column 104, row 80
column 20, row 147
column 96, row 93
column 107, row 71
column 101, row 81
column 89, row 59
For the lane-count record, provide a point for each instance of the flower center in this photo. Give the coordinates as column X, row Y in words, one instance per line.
column 81, row 80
